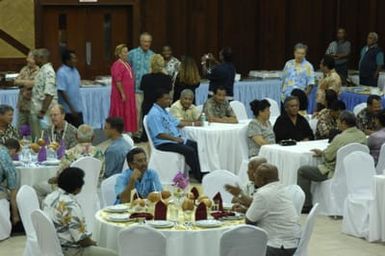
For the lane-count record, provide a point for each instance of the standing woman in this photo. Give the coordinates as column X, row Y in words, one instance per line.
column 187, row 78
column 123, row 90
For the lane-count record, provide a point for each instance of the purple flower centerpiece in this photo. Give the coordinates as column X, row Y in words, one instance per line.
column 181, row 182
column 25, row 130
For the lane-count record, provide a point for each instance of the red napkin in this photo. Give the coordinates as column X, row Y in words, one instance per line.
column 218, row 200
column 201, row 212
column 160, row 211
column 195, row 192
column 219, row 215
column 147, row 216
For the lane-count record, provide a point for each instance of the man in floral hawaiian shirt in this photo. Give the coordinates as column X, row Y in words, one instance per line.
column 7, row 131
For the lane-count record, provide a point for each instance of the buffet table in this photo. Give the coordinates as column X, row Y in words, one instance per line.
column 220, row 146
column 182, row 238
column 96, row 103
column 288, row 159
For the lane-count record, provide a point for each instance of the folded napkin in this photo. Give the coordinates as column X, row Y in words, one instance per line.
column 42, row 155
column 201, row 212
column 219, row 215
column 160, row 211
column 195, row 192
column 147, row 216
column 61, row 150
column 218, row 200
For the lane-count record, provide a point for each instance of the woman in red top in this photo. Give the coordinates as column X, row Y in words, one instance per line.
column 123, row 90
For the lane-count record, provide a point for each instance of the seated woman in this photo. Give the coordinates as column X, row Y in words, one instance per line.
column 187, row 78
column 290, row 124
column 259, row 131
column 377, row 138
column 327, row 118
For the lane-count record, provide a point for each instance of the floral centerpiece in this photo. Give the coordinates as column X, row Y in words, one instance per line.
column 25, row 132
column 180, row 183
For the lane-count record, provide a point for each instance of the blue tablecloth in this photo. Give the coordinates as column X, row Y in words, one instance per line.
column 96, row 104
column 352, row 99
column 246, row 91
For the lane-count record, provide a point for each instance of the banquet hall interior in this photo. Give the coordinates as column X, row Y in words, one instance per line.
column 192, row 127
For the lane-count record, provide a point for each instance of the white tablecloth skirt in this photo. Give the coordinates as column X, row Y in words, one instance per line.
column 179, row 242
column 34, row 175
column 288, row 159
column 220, row 146
column 377, row 211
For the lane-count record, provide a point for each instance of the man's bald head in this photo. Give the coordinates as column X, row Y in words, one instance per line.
column 265, row 174
column 253, row 165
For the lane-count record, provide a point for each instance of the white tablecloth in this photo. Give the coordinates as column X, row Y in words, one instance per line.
column 288, row 159
column 96, row 104
column 179, row 242
column 220, row 146
column 377, row 211
column 381, row 80
column 34, row 175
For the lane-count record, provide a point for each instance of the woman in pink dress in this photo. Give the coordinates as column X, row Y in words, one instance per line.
column 123, row 90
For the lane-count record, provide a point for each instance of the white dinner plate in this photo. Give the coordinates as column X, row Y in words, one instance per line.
column 160, row 223
column 51, row 162
column 114, row 217
column 208, row 223
column 117, row 208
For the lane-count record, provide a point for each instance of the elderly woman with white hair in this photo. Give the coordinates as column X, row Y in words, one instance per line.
column 371, row 61
column 184, row 109
column 298, row 73
column 85, row 135
column 243, row 196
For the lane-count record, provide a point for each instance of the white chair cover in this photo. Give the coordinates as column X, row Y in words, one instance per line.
column 88, row 197
column 242, row 173
column 297, row 196
column 360, row 166
column 275, row 111
column 27, row 202
column 239, row 110
column 166, row 164
column 243, row 240
column 377, row 211
column 5, row 221
column 380, row 167
column 47, row 239
column 242, row 135
column 108, row 190
column 307, row 231
column 215, row 181
column 331, row 193
column 141, row 240
column 357, row 109
column 128, row 139
column 313, row 124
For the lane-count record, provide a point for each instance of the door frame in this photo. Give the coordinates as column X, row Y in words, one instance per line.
column 40, row 4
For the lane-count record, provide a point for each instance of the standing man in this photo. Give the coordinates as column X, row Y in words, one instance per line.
column 340, row 50
column 44, row 91
column 68, row 86
column 371, row 61
column 139, row 59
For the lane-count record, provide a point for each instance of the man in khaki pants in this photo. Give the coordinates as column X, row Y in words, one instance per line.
column 139, row 59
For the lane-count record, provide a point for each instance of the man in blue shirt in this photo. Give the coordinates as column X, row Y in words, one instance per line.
column 371, row 61
column 68, row 85
column 164, row 133
column 139, row 59
column 136, row 176
column 116, row 153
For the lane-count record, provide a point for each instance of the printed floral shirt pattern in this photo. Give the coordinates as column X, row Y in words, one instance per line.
column 67, row 216
column 296, row 76
column 326, row 123
column 45, row 84
column 9, row 133
column 8, row 174
column 172, row 67
column 366, row 120
column 26, row 73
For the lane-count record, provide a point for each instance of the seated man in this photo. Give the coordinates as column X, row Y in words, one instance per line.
column 184, row 109
column 61, row 130
column 217, row 109
column 291, row 125
column 84, row 137
column 116, row 152
column 66, row 214
column 377, row 138
column 244, row 196
column 327, row 120
column 7, row 131
column 164, row 132
column 273, row 210
column 306, row 174
column 366, row 118
column 8, row 183
column 137, row 176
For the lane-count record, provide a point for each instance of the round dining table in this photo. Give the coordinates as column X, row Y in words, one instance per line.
column 35, row 174
column 220, row 146
column 182, row 239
